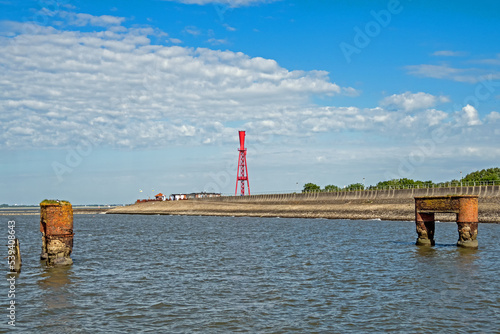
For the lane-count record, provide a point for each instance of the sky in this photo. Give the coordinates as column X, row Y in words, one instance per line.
column 110, row 101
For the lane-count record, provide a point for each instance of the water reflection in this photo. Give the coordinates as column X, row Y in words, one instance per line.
column 439, row 245
column 470, row 253
column 56, row 284
column 464, row 255
column 213, row 274
column 425, row 251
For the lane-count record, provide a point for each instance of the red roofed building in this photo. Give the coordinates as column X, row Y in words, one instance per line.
column 160, row 197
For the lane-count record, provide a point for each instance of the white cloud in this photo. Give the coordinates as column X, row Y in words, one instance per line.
column 434, row 117
column 491, row 61
column 59, row 88
column 472, row 151
column 379, row 120
column 82, row 19
column 175, row 40
column 468, row 75
column 449, row 53
column 439, row 72
column 493, row 117
column 192, row 30
column 469, row 116
column 229, row 3
column 66, row 86
column 228, row 27
column 412, row 101
column 215, row 41
column 349, row 91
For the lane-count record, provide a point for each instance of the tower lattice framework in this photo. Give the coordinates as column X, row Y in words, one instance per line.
column 242, row 172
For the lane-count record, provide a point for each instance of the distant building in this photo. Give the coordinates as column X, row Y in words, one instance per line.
column 202, row 195
column 160, row 197
column 177, row 197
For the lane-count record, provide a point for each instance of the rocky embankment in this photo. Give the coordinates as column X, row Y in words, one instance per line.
column 384, row 209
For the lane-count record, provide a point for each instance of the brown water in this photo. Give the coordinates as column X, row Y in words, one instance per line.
column 172, row 274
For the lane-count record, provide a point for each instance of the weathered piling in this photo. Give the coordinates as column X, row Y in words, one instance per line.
column 467, row 221
column 464, row 206
column 56, row 225
column 425, row 228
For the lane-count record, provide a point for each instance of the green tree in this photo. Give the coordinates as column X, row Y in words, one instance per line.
column 331, row 188
column 355, row 186
column 490, row 174
column 310, row 187
column 404, row 183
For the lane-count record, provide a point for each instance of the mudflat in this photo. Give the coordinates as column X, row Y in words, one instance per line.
column 384, row 209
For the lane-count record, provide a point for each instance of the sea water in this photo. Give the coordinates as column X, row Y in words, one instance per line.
column 185, row 274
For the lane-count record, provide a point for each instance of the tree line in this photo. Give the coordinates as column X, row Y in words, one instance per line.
column 488, row 176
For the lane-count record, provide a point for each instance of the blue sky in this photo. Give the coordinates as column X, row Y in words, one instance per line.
column 102, row 99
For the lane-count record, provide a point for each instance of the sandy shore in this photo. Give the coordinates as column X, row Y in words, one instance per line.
column 384, row 209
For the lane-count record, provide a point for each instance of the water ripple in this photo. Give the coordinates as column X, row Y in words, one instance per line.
column 220, row 274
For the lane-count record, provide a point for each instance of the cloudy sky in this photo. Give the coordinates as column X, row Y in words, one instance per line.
column 102, row 99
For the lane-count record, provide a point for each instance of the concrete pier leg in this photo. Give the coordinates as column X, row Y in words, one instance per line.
column 56, row 225
column 425, row 228
column 467, row 221
column 467, row 235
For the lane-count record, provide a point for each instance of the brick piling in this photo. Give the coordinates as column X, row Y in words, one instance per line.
column 56, row 225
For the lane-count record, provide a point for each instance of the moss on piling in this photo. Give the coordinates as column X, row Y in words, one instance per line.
column 53, row 202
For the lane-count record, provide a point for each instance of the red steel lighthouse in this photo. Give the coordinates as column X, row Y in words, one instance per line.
column 242, row 173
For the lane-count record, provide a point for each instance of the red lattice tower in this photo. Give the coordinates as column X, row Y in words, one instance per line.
column 242, row 173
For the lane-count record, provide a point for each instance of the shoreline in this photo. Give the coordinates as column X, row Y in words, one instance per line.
column 353, row 209
column 36, row 211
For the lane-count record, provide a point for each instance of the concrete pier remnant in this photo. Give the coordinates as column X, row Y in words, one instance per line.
column 464, row 206
column 56, row 225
